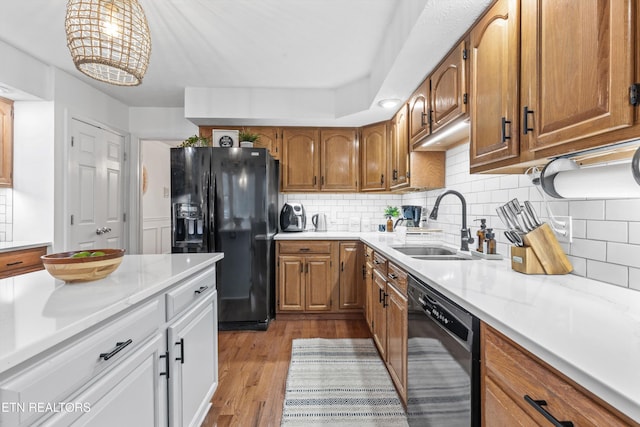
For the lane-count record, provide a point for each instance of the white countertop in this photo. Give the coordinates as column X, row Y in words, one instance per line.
column 22, row 244
column 586, row 329
column 38, row 311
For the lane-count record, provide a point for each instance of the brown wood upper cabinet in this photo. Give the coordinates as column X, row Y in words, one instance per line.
column 440, row 99
column 319, row 160
column 399, row 160
column 576, row 73
column 269, row 138
column 494, row 57
column 572, row 91
column 339, row 160
column 6, row 143
column 373, row 158
column 300, row 163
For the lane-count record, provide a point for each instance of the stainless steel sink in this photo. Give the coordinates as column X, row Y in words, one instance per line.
column 432, row 253
column 415, row 251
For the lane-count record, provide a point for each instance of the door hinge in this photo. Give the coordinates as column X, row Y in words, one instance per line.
column 71, row 219
column 634, row 94
column 72, row 141
column 465, row 98
column 465, row 54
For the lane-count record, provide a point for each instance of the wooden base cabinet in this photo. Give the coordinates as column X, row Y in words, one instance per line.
column 21, row 261
column 389, row 319
column 350, row 286
column 514, row 382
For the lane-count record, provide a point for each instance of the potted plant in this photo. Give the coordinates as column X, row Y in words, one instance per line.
column 195, row 141
column 391, row 211
column 247, row 138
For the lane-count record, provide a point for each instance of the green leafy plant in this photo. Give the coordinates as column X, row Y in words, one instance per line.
column 392, row 211
column 247, row 135
column 195, row 141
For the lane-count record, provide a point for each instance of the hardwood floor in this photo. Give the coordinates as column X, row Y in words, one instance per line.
column 253, row 369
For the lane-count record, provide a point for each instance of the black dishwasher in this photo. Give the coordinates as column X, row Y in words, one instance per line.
column 443, row 361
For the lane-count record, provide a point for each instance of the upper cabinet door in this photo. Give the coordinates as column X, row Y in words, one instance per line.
column 300, row 165
column 399, row 165
column 268, row 138
column 577, row 67
column 339, row 160
column 6, row 143
column 419, row 113
column 494, row 59
column 373, row 158
column 449, row 89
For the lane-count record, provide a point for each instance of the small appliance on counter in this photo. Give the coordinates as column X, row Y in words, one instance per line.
column 410, row 216
column 319, row 221
column 293, row 217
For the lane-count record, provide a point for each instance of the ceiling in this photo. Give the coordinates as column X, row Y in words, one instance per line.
column 347, row 54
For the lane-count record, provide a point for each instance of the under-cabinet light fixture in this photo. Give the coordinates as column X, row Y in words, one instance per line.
column 443, row 134
column 564, row 179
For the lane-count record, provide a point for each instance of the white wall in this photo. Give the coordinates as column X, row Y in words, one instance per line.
column 33, row 171
column 156, row 201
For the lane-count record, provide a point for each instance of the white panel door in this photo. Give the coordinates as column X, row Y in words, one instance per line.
column 95, row 188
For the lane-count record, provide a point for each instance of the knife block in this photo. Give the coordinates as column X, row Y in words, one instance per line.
column 546, row 249
column 525, row 261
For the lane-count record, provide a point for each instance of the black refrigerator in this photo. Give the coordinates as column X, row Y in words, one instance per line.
column 226, row 200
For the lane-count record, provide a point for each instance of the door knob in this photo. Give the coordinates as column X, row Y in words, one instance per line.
column 99, row 231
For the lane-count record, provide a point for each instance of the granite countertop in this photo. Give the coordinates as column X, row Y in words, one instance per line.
column 37, row 311
column 588, row 330
column 22, row 244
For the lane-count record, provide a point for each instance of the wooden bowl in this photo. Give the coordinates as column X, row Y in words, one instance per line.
column 62, row 266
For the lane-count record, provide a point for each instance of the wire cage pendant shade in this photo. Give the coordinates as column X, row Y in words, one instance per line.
column 109, row 40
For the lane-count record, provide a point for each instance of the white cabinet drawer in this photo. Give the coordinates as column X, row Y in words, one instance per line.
column 192, row 290
column 69, row 369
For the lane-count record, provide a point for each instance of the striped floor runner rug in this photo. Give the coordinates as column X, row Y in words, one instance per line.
column 339, row 382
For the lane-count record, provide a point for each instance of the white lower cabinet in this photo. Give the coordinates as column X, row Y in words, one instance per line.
column 131, row 394
column 193, row 355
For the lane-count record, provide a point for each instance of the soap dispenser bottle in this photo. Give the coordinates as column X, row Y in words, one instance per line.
column 490, row 238
column 481, row 234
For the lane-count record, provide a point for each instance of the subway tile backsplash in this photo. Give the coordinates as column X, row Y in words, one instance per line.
column 606, row 233
column 6, row 214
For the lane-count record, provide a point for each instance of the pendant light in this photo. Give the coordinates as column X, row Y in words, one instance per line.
column 109, row 40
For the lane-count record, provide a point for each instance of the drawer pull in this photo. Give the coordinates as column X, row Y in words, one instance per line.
column 11, row 264
column 201, row 289
column 116, row 350
column 165, row 356
column 538, row 406
column 304, row 249
column 376, row 262
column 392, row 276
column 181, row 358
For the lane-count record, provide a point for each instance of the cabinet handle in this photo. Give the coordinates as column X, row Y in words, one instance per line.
column 306, row 266
column 538, row 406
column 322, row 180
column 384, row 300
column 364, row 272
column 314, row 180
column 392, row 276
column 116, row 350
column 382, row 179
column 505, row 122
column 181, row 358
column 201, row 289
column 422, row 122
column 9, row 264
column 376, row 262
column 394, row 176
column 380, row 297
column 525, row 120
column 165, row 356
column 430, row 117
column 342, row 266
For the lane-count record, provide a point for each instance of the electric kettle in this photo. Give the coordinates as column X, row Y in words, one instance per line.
column 319, row 221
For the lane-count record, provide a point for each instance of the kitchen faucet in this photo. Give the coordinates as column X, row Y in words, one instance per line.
column 465, row 233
